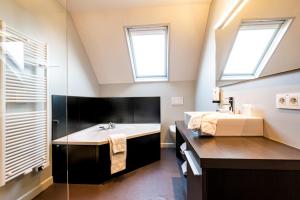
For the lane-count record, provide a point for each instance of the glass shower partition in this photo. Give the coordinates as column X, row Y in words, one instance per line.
column 33, row 72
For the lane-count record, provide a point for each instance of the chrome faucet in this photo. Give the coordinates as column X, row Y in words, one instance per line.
column 230, row 100
column 230, row 103
column 110, row 125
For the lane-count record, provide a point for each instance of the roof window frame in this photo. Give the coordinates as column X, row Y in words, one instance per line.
column 148, row 28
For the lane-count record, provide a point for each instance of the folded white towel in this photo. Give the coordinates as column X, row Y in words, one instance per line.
column 183, row 147
column 209, row 124
column 118, row 152
column 184, row 168
column 206, row 122
column 195, row 121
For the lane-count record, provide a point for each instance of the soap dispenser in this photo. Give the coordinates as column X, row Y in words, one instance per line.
column 216, row 95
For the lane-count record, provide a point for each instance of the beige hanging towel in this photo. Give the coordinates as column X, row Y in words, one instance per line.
column 118, row 152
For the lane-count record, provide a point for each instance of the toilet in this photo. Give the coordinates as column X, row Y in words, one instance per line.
column 172, row 131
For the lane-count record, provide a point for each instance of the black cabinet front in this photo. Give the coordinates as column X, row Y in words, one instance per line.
column 90, row 164
column 194, row 185
column 194, row 177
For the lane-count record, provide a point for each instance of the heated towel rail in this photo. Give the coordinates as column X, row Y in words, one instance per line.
column 24, row 128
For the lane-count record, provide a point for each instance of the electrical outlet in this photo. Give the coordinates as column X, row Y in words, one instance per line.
column 293, row 100
column 280, row 100
column 288, row 101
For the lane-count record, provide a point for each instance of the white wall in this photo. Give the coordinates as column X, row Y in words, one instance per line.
column 82, row 80
column 206, row 80
column 102, row 33
column 280, row 125
column 169, row 113
column 46, row 21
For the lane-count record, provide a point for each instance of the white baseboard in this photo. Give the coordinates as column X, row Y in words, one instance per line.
column 167, row 145
column 37, row 190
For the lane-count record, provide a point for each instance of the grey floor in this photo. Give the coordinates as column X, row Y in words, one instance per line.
column 161, row 180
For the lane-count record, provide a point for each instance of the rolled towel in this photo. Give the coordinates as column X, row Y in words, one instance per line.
column 183, row 147
column 184, row 168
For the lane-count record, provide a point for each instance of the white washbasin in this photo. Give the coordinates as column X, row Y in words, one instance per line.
column 232, row 124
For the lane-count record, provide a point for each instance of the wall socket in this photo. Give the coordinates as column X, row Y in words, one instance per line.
column 288, row 101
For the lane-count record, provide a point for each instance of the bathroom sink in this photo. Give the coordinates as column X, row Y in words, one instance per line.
column 228, row 124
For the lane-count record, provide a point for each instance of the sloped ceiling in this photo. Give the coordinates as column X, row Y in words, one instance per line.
column 100, row 25
column 88, row 5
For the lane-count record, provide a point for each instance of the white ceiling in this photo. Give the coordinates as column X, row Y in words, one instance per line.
column 88, row 5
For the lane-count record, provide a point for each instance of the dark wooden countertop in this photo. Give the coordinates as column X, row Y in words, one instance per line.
column 241, row 152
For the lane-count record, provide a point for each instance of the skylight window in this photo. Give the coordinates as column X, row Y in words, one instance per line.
column 148, row 48
column 254, row 45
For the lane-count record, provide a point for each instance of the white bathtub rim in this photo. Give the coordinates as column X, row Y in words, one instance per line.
column 67, row 140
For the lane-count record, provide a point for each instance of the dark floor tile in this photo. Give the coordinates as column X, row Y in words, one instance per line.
column 161, row 180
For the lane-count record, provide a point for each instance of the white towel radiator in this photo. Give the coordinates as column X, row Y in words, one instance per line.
column 24, row 125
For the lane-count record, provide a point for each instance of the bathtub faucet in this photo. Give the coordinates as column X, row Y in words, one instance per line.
column 111, row 125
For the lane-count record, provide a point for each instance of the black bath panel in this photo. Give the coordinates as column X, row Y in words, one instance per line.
column 88, row 112
column 90, row 164
column 116, row 110
column 146, row 109
column 71, row 114
column 59, row 116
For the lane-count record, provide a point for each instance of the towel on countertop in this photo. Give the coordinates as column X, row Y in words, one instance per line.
column 209, row 124
column 195, row 121
column 206, row 122
column 118, row 152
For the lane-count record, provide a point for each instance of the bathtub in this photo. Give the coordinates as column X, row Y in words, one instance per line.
column 85, row 154
column 96, row 136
